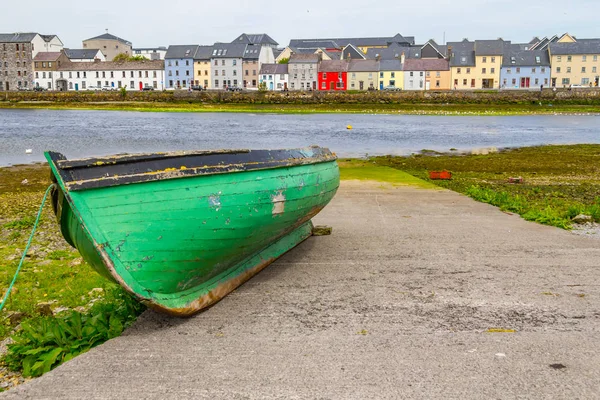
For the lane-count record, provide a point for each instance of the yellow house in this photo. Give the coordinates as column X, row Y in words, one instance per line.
column 391, row 74
column 202, row 67
column 462, row 65
column 363, row 75
column 575, row 62
column 488, row 62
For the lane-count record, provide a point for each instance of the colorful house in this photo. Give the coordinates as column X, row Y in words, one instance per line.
column 391, row 74
column 202, row 67
column 575, row 62
column 427, row 74
column 333, row 75
column 227, row 65
column 489, row 55
column 462, row 65
column 363, row 74
column 525, row 69
column 274, row 76
column 179, row 66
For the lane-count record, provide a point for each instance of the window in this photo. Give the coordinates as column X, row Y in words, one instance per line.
column 247, row 72
column 568, row 70
column 513, row 60
column 43, row 65
column 187, row 62
column 411, row 73
column 493, row 59
column 170, row 83
column 537, row 81
column 139, row 74
column 324, row 75
column 177, row 73
column 176, row 63
column 468, row 71
column 518, row 70
column 437, row 83
column 323, row 85
column 170, row 73
column 131, row 74
column 223, row 72
column 543, row 70
column 595, row 58
column 558, row 70
column 514, row 82
column 566, row 81
column 70, row 74
column 546, row 81
column 234, row 63
column 43, row 75
column 594, row 70
column 538, row 60
column 509, row 71
column 83, row 85
column 103, row 74
column 458, row 70
column 132, row 85
column 420, row 73
column 99, row 83
column 234, row 72
column 381, row 75
column 585, row 81
column 569, row 58
column 392, row 75
column 155, row 84
column 216, row 61
column 583, row 70
column 187, row 73
column 437, row 74
column 119, row 84
column 427, row 74
column 222, row 62
column 484, row 59
column 492, row 70
column 464, row 82
column 169, row 63
column 483, row 71
column 112, row 74
column 456, row 82
column 36, row 64
column 216, row 83
column 584, row 58
column 146, row 73
column 558, row 58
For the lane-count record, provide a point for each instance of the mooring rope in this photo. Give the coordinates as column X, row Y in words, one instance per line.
column 37, row 220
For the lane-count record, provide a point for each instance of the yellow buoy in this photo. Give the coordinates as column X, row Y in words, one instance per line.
column 349, row 127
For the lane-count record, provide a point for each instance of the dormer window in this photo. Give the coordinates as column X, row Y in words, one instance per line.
column 538, row 60
column 463, row 59
column 513, row 60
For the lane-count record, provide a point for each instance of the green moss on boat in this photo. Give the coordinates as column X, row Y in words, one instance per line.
column 181, row 230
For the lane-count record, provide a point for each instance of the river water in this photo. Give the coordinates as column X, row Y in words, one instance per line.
column 78, row 133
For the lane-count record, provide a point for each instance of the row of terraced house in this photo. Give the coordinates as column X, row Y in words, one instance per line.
column 254, row 61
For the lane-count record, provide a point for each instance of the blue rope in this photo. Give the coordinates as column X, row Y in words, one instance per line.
column 37, row 220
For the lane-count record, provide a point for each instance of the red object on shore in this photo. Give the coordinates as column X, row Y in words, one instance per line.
column 515, row 180
column 446, row 175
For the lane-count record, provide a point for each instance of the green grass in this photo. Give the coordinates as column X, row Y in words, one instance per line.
column 360, row 108
column 352, row 169
column 52, row 272
column 560, row 182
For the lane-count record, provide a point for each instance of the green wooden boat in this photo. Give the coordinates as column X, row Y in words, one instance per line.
column 181, row 230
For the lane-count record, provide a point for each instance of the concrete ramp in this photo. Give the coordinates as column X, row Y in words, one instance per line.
column 417, row 294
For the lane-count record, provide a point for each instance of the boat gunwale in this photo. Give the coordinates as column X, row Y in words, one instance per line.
column 104, row 172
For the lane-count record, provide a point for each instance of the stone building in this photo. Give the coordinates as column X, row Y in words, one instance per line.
column 17, row 51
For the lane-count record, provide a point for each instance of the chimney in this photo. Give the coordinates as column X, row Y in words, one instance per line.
column 402, row 58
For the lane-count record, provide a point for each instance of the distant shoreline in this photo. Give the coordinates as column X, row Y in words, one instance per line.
column 400, row 109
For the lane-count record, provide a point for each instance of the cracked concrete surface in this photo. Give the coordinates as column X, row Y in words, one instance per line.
column 397, row 303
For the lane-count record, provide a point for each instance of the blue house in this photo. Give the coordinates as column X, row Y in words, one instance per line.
column 179, row 66
column 525, row 69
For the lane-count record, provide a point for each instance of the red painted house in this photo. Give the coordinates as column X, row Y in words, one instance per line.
column 333, row 75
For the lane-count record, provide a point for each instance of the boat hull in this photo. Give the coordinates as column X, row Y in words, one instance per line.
column 181, row 245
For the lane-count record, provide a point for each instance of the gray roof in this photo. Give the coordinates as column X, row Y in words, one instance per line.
column 181, row 51
column 47, row 56
column 490, row 47
column 81, row 54
column 17, row 37
column 150, row 48
column 255, row 38
column 277, row 52
column 334, row 66
column 363, row 66
column 582, row 46
column 426, row 64
column 252, row 52
column 395, row 51
column 48, row 38
column 274, row 69
column 230, row 50
column 390, row 65
column 203, row 53
column 304, row 58
column 113, row 66
column 108, row 36
column 358, row 42
column 462, row 54
column 514, row 56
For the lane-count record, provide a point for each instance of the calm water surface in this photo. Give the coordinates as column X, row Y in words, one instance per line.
column 92, row 133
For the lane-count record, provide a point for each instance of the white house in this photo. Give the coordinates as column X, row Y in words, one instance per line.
column 151, row 53
column 132, row 75
column 274, row 76
column 226, row 62
column 45, row 43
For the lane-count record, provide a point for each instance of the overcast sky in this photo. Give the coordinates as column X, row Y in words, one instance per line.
column 152, row 23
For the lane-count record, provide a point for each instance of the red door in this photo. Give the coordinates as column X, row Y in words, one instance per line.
column 141, row 86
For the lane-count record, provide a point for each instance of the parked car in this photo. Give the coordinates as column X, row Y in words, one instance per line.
column 93, row 88
column 391, row 88
column 198, row 88
column 108, row 88
column 234, row 88
column 39, row 89
column 23, row 89
column 147, row 88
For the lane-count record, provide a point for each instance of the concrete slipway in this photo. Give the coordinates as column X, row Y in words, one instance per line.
column 397, row 303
